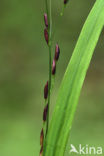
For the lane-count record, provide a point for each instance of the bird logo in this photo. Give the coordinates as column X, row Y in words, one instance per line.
column 73, row 149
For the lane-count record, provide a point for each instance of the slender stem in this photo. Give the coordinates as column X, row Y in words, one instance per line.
column 50, row 67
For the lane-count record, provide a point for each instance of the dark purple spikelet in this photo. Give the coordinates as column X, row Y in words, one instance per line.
column 41, row 137
column 46, row 20
column 46, row 35
column 65, row 1
column 41, row 151
column 45, row 113
column 46, row 90
column 53, row 67
column 57, row 52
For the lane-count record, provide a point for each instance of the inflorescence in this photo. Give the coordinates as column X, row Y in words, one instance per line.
column 47, row 87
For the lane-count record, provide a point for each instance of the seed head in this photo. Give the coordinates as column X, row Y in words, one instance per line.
column 57, row 52
column 46, row 35
column 53, row 67
column 45, row 113
column 46, row 20
column 46, row 90
column 41, row 137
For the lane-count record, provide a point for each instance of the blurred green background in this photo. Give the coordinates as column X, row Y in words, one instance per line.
column 24, row 71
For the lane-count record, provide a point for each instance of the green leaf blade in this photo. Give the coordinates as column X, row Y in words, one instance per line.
column 72, row 83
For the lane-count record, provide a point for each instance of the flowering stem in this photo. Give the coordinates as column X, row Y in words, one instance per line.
column 50, row 67
column 52, row 71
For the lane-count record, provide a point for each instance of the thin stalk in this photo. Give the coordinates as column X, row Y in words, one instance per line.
column 50, row 62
